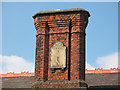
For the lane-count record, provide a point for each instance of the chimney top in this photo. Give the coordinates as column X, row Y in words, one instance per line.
column 60, row 11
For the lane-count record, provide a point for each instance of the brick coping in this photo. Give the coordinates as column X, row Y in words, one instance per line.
column 60, row 11
column 96, row 71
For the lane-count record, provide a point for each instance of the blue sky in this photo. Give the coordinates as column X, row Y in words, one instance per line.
column 18, row 33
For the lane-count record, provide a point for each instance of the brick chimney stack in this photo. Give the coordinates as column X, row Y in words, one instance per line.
column 60, row 48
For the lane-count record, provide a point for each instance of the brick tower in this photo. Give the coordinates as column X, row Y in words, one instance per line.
column 60, row 48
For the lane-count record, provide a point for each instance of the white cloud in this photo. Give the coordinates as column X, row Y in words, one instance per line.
column 15, row 64
column 89, row 67
column 109, row 61
column 18, row 64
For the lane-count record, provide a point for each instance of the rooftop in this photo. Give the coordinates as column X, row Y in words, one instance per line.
column 95, row 78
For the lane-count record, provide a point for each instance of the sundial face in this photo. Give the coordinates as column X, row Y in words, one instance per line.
column 58, row 56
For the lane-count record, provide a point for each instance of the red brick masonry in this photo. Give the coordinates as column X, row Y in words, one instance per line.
column 66, row 26
column 96, row 71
